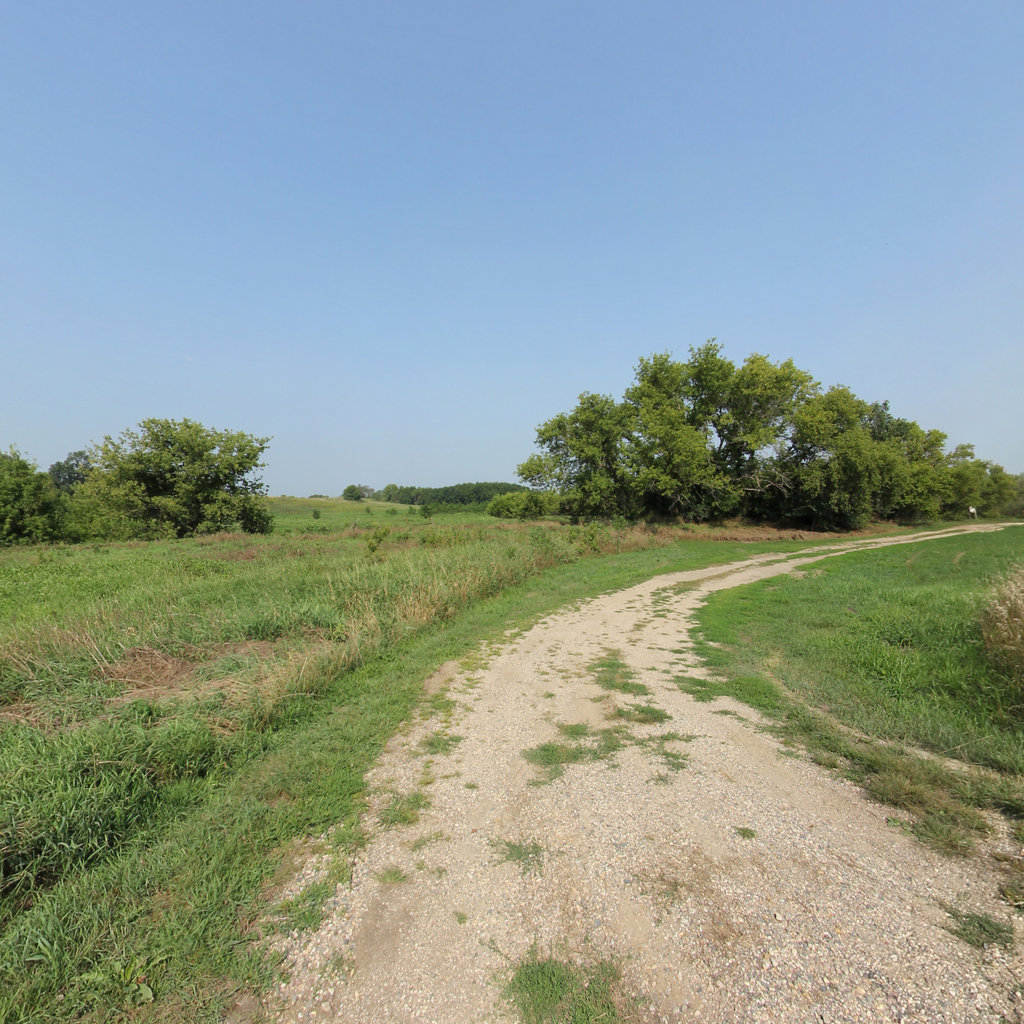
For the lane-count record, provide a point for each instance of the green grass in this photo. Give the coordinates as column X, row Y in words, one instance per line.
column 1012, row 890
column 886, row 646
column 404, row 810
column 979, row 930
column 583, row 745
column 305, row 911
column 642, row 714
column 179, row 716
column 440, row 743
column 550, row 991
column 529, row 856
column 612, row 673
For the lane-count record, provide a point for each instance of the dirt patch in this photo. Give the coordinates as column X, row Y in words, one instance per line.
column 150, row 674
column 23, row 713
column 441, row 678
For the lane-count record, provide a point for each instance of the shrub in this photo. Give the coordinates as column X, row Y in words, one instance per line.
column 29, row 502
column 172, row 478
column 1002, row 626
column 517, row 505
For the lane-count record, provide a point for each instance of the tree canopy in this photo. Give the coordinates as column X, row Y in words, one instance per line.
column 30, row 509
column 703, row 439
column 172, row 478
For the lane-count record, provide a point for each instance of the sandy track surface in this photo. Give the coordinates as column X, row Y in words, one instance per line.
column 818, row 912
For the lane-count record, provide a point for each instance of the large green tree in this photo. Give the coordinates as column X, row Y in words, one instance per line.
column 30, row 508
column 173, row 478
column 704, row 439
column 583, row 457
column 70, row 471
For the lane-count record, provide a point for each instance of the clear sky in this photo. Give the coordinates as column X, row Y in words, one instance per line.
column 396, row 236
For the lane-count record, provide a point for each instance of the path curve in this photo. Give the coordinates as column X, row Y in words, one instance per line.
column 826, row 914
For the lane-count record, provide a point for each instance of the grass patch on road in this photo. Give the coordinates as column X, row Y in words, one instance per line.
column 529, row 856
column 549, row 991
column 872, row 654
column 612, row 673
column 979, row 930
column 581, row 744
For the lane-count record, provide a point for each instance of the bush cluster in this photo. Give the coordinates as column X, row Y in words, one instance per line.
column 169, row 478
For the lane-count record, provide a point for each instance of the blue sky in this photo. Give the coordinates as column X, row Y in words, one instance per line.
column 398, row 236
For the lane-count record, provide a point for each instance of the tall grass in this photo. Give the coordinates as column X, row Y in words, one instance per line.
column 1002, row 629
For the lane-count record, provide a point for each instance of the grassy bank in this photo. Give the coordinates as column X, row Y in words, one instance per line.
column 870, row 657
column 174, row 717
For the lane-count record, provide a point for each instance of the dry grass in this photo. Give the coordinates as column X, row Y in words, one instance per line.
column 1002, row 625
column 742, row 531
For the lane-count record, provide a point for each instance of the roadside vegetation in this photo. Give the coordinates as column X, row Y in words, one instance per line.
column 178, row 717
column 885, row 665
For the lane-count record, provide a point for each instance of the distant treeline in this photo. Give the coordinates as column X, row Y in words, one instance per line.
column 454, row 494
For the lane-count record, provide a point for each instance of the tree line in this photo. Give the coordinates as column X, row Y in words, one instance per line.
column 455, row 494
column 705, row 439
column 167, row 478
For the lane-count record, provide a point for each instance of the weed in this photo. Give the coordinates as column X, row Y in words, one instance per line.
column 673, row 760
column 122, row 980
column 340, row 965
column 440, row 743
column 643, row 714
column 529, row 856
column 404, row 810
column 423, row 841
column 305, row 911
column 612, row 673
column 553, row 756
column 662, row 887
column 744, row 833
column 574, row 730
column 979, row 930
column 391, row 876
column 549, row 991
column 1012, row 890
column 460, row 917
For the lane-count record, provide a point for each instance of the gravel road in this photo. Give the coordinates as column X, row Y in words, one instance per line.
column 728, row 879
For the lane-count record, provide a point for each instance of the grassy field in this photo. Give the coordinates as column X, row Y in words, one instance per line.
column 177, row 718
column 871, row 658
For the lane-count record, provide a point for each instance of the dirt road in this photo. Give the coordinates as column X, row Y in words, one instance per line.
column 729, row 881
